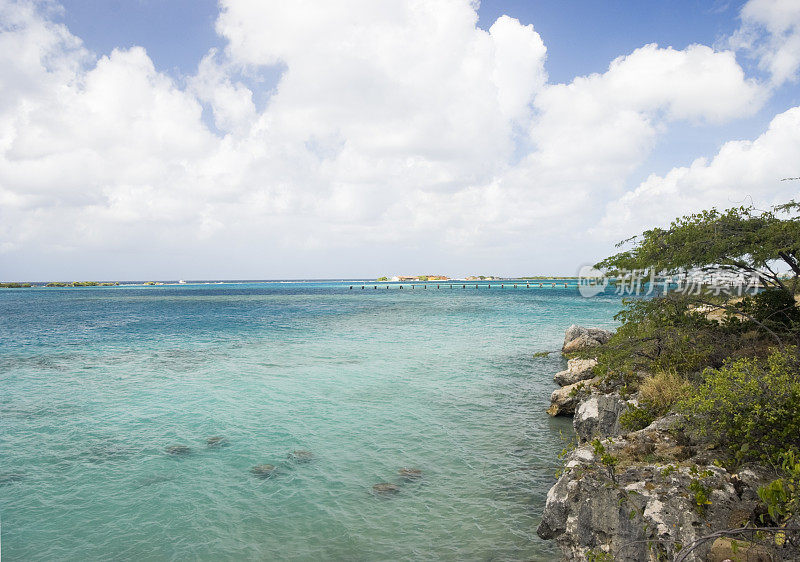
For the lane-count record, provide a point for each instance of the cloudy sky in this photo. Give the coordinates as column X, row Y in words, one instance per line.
column 315, row 139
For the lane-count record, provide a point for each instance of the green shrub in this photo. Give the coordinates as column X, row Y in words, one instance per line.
column 663, row 334
column 636, row 418
column 701, row 494
column 750, row 406
column 606, row 459
column 782, row 496
column 597, row 555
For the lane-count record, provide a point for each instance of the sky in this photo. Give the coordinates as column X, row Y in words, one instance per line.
column 253, row 139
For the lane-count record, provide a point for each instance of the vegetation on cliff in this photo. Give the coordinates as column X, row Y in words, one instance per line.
column 723, row 359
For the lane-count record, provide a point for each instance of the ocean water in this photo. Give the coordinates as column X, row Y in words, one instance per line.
column 96, row 384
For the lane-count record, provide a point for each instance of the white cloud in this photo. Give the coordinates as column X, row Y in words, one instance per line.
column 771, row 32
column 394, row 124
column 231, row 102
column 741, row 173
column 606, row 123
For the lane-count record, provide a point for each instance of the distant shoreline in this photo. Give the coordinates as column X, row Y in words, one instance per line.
column 108, row 284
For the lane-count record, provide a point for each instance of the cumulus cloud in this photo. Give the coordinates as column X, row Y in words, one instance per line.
column 741, row 173
column 771, row 32
column 601, row 126
column 393, row 125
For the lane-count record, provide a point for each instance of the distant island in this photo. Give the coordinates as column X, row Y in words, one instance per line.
column 409, row 278
column 82, row 284
column 16, row 285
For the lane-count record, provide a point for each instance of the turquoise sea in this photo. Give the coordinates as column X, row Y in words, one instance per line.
column 97, row 383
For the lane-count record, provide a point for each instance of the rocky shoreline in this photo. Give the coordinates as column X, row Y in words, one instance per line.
column 654, row 494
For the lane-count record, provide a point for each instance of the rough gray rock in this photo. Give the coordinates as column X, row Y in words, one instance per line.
column 564, row 400
column 641, row 510
column 578, row 338
column 665, row 423
column 598, row 416
column 577, row 370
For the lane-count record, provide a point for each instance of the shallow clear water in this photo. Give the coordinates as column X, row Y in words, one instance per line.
column 97, row 382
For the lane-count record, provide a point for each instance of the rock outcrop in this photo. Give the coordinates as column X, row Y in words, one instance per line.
column 577, row 370
column 578, row 338
column 565, row 400
column 643, row 495
column 643, row 503
column 578, row 377
column 597, row 415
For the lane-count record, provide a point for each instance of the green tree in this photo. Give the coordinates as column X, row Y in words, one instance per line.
column 739, row 241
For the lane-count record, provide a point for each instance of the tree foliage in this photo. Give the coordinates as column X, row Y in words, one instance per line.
column 740, row 355
column 743, row 241
column 739, row 240
column 665, row 334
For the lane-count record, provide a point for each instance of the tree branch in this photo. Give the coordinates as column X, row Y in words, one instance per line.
column 686, row 551
column 734, row 310
column 790, row 261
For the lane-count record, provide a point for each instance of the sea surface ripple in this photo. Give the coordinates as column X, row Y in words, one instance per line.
column 98, row 383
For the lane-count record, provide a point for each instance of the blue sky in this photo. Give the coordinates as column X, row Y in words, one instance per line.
column 365, row 138
column 582, row 37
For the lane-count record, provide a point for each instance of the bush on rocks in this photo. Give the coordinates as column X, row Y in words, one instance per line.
column 750, row 407
column 657, row 396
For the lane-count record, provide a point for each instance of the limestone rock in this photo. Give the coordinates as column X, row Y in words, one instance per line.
column 577, row 370
column 665, row 423
column 578, row 338
column 564, row 400
column 641, row 510
column 598, row 416
column 752, row 477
